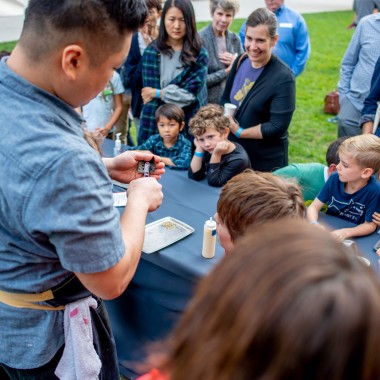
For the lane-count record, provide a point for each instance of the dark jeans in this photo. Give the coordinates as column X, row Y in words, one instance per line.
column 104, row 344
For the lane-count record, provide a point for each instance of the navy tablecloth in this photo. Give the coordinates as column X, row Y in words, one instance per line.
column 165, row 280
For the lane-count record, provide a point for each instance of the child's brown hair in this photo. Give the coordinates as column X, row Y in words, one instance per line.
column 253, row 198
column 210, row 116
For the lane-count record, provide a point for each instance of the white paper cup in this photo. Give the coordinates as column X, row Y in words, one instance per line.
column 229, row 109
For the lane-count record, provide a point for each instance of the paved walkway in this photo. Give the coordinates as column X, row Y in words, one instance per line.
column 202, row 12
column 10, row 27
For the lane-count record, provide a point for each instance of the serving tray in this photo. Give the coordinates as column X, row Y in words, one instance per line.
column 164, row 232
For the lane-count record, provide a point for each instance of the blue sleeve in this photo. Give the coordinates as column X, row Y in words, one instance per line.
column 242, row 33
column 302, row 47
column 350, row 59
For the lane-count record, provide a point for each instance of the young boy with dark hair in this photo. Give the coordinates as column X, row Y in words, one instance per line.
column 215, row 157
column 353, row 193
column 170, row 144
column 62, row 242
column 312, row 177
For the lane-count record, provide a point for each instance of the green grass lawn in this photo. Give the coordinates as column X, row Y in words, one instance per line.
column 310, row 132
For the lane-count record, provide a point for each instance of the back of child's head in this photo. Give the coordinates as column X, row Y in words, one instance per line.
column 99, row 26
column 364, row 149
column 253, row 198
column 289, row 303
column 210, row 116
column 157, row 4
column 332, row 156
column 171, row 112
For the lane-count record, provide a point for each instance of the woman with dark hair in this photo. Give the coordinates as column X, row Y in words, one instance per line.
column 174, row 67
column 294, row 304
column 263, row 89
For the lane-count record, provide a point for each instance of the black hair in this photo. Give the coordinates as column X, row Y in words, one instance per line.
column 171, row 112
column 332, row 151
column 191, row 43
column 99, row 24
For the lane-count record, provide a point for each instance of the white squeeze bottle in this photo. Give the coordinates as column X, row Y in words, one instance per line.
column 209, row 239
column 117, row 148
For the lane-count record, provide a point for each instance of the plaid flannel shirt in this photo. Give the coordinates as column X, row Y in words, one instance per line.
column 192, row 79
column 179, row 153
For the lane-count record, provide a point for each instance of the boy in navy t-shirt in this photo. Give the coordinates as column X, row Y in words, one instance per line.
column 353, row 193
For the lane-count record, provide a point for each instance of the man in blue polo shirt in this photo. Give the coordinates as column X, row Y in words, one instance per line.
column 293, row 45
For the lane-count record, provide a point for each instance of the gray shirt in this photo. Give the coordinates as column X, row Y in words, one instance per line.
column 171, row 67
column 57, row 214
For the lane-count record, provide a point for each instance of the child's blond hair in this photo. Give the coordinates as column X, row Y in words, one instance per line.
column 364, row 149
column 210, row 116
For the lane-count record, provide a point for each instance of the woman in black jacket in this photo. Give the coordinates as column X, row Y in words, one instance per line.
column 263, row 89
